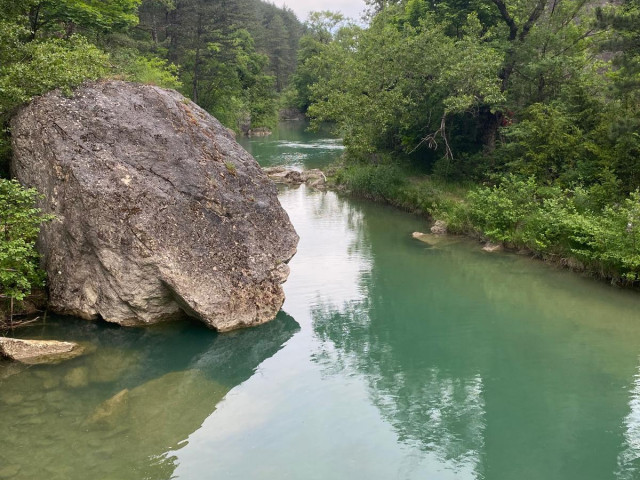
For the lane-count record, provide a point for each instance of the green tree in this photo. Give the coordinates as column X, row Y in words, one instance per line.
column 20, row 222
column 397, row 87
column 313, row 63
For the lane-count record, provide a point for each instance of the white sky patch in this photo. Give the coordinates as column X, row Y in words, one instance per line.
column 349, row 8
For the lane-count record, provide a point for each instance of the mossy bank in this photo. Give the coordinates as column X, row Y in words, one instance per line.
column 557, row 225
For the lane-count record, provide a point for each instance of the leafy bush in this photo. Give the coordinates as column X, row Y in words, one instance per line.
column 611, row 240
column 382, row 181
column 33, row 68
column 499, row 212
column 20, row 222
column 54, row 63
column 547, row 221
column 149, row 70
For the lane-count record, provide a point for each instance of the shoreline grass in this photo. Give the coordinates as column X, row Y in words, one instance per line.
column 555, row 225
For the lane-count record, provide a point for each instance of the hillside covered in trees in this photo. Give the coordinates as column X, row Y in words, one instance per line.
column 231, row 57
column 538, row 101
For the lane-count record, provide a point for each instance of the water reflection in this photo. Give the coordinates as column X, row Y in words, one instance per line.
column 494, row 366
column 430, row 409
column 116, row 412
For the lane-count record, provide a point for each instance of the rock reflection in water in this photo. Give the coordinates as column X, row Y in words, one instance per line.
column 114, row 414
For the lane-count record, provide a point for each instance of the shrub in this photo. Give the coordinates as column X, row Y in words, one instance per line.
column 499, row 211
column 149, row 70
column 611, row 240
column 20, row 222
column 382, row 181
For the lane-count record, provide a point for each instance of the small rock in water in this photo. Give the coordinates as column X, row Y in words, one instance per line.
column 38, row 351
column 259, row 132
column 434, row 240
column 314, row 178
column 492, row 247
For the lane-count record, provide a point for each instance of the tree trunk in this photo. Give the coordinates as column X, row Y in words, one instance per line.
column 490, row 123
column 34, row 19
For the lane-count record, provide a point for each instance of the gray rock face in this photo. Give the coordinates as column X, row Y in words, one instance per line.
column 159, row 212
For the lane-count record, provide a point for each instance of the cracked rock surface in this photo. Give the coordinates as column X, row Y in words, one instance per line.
column 159, row 212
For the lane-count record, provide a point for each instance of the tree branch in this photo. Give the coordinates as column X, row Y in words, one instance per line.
column 513, row 28
column 533, row 18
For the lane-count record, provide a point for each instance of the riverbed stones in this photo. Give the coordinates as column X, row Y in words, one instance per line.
column 9, row 471
column 314, row 178
column 439, row 227
column 38, row 351
column 159, row 212
column 77, row 377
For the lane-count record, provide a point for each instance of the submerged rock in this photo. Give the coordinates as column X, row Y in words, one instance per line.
column 159, row 424
column 77, row 377
column 492, row 247
column 434, row 240
column 38, row 351
column 110, row 408
column 159, row 212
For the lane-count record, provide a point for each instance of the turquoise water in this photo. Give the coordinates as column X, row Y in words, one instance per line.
column 292, row 144
column 390, row 360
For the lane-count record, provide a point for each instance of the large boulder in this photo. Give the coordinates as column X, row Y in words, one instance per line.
column 159, row 212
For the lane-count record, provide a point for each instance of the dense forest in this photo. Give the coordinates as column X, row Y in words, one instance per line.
column 232, row 57
column 538, row 102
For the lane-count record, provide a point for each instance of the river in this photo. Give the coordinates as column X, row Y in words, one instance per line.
column 390, row 359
